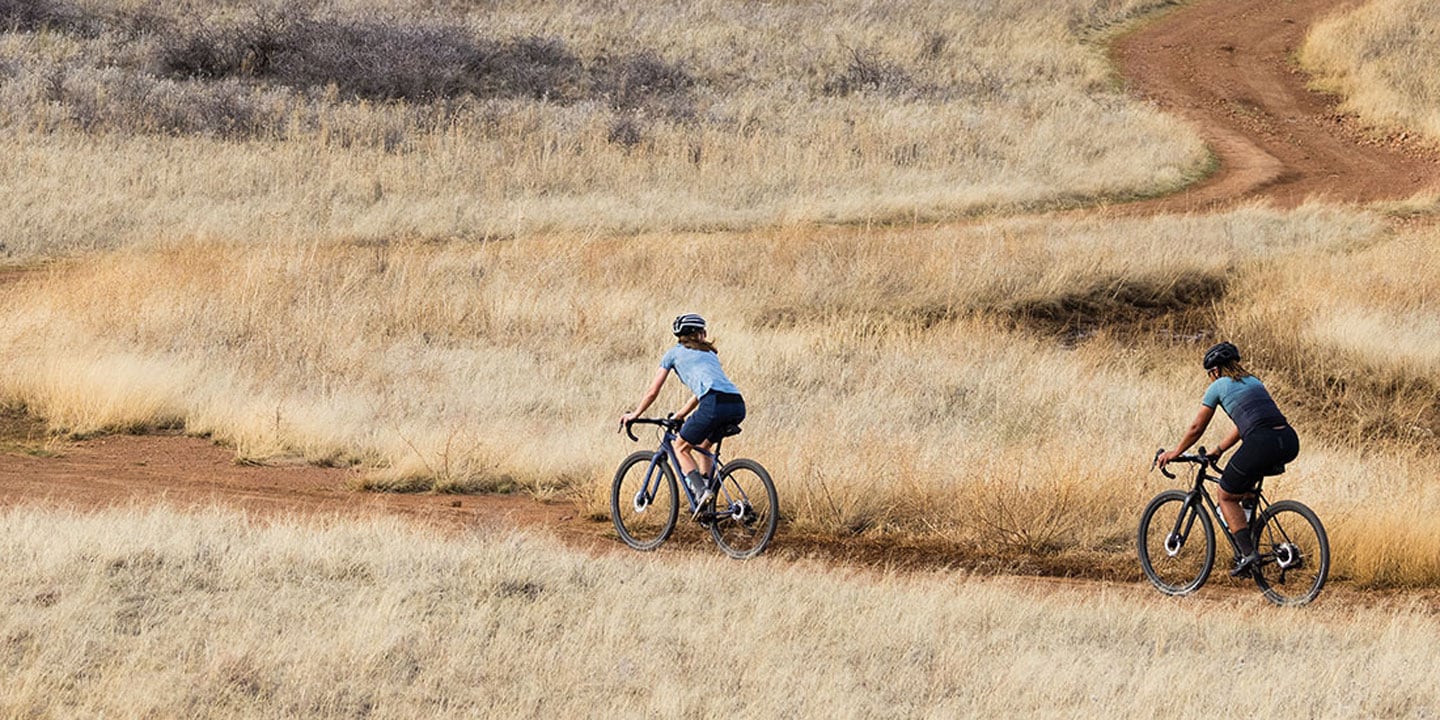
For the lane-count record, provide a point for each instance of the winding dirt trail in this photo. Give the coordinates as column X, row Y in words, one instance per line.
column 1227, row 68
column 1223, row 65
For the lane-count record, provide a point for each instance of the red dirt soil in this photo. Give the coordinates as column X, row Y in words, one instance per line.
column 1228, row 69
column 1221, row 64
column 125, row 471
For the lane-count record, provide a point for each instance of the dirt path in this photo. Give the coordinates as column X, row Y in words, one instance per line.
column 121, row 471
column 1227, row 68
column 1221, row 64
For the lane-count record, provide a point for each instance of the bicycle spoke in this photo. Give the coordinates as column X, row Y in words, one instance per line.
column 643, row 502
column 1176, row 559
column 1294, row 554
column 746, row 511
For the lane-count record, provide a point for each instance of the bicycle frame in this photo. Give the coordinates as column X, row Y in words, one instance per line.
column 666, row 452
column 1200, row 497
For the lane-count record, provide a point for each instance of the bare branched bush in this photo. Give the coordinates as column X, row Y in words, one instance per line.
column 538, row 68
column 641, row 81
column 869, row 71
column 31, row 15
column 385, row 61
column 372, row 59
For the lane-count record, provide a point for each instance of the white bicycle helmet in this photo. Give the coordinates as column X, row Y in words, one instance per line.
column 687, row 324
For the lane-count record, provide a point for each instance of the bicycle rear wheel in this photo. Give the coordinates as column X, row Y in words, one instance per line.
column 1174, row 558
column 643, row 501
column 1294, row 554
column 746, row 509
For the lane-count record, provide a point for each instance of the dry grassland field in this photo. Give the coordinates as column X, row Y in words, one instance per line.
column 442, row 243
column 154, row 614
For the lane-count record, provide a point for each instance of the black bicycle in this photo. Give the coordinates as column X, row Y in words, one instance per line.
column 1293, row 549
column 741, row 516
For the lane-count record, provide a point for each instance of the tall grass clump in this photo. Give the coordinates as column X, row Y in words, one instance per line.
column 1379, row 57
column 1362, row 344
column 161, row 614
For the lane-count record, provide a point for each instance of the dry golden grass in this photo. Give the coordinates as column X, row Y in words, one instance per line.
column 997, row 105
column 1363, row 343
column 151, row 613
column 462, row 293
column 1380, row 57
column 999, row 386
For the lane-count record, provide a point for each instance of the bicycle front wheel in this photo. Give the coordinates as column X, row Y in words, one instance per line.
column 1294, row 554
column 643, row 501
column 1175, row 557
column 746, row 509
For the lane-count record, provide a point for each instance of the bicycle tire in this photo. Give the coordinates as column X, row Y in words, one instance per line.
column 748, row 509
column 1175, row 568
column 1294, row 554
column 643, row 526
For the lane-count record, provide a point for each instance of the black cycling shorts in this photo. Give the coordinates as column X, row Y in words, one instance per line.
column 1263, row 452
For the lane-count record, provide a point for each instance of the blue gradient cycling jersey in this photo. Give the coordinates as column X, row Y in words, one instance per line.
column 1246, row 401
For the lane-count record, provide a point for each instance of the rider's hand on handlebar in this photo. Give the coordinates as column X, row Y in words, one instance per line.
column 627, row 418
column 1165, row 457
column 1214, row 456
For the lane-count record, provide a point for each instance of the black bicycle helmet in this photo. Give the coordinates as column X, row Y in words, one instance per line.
column 687, row 324
column 1221, row 354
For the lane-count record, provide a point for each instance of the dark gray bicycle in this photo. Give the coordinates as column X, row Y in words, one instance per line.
column 644, row 498
column 1176, row 540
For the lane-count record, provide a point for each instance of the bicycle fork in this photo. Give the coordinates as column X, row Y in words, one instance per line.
column 646, row 494
column 1175, row 541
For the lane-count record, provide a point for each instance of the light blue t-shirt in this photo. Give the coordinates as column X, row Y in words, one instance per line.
column 1246, row 401
column 698, row 369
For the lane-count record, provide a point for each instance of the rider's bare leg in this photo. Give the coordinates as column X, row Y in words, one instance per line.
column 682, row 453
column 688, row 462
column 1229, row 504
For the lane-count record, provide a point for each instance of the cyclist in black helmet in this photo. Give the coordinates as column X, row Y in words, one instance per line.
column 1268, row 440
column 717, row 403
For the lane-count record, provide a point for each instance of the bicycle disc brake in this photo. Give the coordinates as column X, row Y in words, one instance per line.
column 1173, row 543
column 1288, row 556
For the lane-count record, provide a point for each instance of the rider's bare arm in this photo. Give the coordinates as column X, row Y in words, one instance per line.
column 689, row 407
column 1193, row 433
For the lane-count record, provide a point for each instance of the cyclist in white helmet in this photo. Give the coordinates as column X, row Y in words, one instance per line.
column 717, row 403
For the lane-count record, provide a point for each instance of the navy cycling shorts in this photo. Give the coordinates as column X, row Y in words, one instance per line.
column 716, row 411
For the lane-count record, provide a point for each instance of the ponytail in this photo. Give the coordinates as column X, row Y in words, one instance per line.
column 696, row 341
column 1234, row 370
